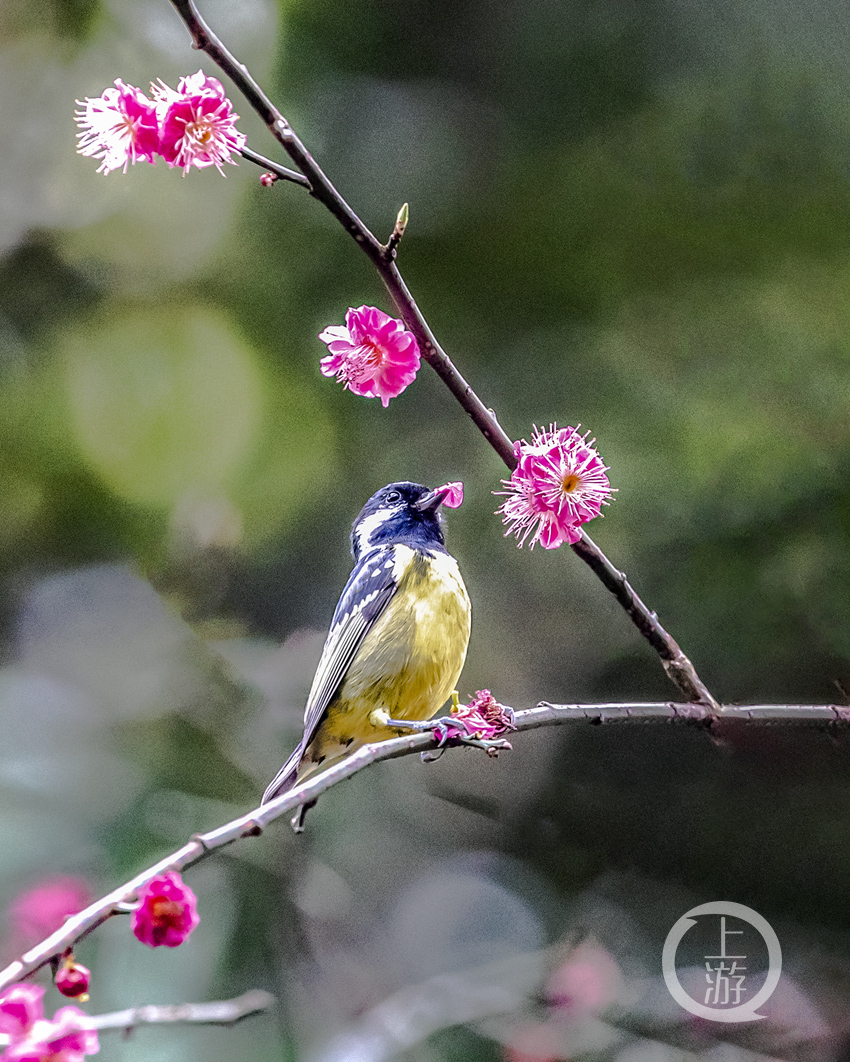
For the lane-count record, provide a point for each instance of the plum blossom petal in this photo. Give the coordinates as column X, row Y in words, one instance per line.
column 197, row 123
column 119, row 127
column 167, row 912
column 559, row 484
column 483, row 718
column 454, row 495
column 373, row 354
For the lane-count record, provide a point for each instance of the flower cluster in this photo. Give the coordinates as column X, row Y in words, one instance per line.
column 34, row 1038
column 167, row 912
column 192, row 126
column 559, row 484
column 482, row 718
column 372, row 354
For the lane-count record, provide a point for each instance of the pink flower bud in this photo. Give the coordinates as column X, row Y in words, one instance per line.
column 167, row 912
column 72, row 979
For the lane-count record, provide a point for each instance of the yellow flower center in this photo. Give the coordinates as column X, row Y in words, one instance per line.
column 569, row 483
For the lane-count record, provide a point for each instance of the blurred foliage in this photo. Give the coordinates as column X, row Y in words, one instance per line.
column 633, row 216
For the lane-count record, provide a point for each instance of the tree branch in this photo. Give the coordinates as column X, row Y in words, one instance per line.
column 200, row 846
column 677, row 665
column 222, row 1012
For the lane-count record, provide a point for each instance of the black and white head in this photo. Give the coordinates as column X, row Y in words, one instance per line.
column 406, row 513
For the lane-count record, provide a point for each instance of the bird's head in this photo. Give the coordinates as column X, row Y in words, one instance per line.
column 400, row 512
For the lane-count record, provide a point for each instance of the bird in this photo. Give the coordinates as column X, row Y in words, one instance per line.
column 397, row 640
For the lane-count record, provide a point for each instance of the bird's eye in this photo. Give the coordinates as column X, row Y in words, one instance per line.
column 393, row 496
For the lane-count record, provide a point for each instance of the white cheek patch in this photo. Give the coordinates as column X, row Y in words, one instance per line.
column 372, row 523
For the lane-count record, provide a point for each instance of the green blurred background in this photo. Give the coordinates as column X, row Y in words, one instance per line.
column 631, row 215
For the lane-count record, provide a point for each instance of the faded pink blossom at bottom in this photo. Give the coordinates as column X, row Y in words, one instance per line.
column 34, row 1038
column 534, row 1043
column 585, row 983
column 482, row 718
column 454, row 495
column 559, row 484
column 40, row 910
column 20, row 1009
column 167, row 912
column 373, row 354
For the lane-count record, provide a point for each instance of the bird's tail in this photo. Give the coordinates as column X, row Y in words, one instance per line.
column 285, row 778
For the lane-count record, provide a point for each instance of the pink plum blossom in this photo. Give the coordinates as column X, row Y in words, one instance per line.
column 197, row 123
column 586, row 982
column 372, row 354
column 40, row 910
column 119, row 127
column 20, row 1009
column 167, row 912
column 482, row 718
column 34, row 1038
column 454, row 495
column 559, row 484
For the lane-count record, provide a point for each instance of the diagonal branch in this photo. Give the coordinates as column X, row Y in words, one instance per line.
column 677, row 665
column 199, row 847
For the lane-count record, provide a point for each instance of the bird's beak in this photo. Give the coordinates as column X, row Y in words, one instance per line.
column 431, row 502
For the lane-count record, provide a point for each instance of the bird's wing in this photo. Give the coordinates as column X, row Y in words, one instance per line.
column 369, row 589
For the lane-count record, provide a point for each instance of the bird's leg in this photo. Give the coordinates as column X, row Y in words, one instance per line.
column 381, row 717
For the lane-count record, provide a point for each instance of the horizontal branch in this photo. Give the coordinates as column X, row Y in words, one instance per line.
column 252, row 824
column 222, row 1012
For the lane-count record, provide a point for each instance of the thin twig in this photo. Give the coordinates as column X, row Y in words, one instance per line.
column 279, row 171
column 221, row 1012
column 825, row 716
column 677, row 665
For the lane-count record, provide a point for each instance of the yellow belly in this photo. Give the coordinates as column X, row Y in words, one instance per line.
column 409, row 662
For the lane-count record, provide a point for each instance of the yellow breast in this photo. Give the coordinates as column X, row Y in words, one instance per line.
column 409, row 662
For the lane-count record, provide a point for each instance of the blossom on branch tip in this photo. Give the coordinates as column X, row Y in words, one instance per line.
column 167, row 912
column 34, row 1038
column 119, row 127
column 372, row 354
column 559, row 484
column 483, row 718
column 197, row 123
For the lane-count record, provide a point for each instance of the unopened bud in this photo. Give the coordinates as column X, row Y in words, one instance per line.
column 402, row 220
column 72, row 979
column 268, row 179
